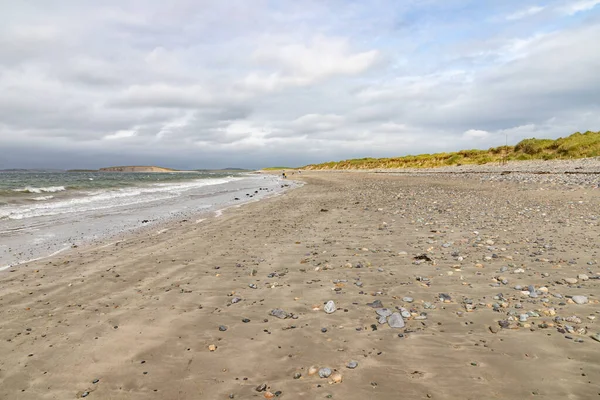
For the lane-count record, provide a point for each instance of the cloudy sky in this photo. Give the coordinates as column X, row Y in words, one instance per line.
column 252, row 83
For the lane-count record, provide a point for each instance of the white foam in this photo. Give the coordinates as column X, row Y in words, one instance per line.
column 51, row 189
column 107, row 199
column 42, row 198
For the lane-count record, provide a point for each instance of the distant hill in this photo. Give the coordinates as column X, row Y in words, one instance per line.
column 578, row 145
column 137, row 168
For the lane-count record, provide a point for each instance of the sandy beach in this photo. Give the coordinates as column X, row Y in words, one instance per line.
column 496, row 283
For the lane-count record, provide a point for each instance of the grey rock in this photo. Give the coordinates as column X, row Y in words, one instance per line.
column 324, row 372
column 578, row 299
column 408, row 299
column 222, row 328
column 330, row 307
column 523, row 317
column 596, row 337
column 382, row 320
column 279, row 313
column 395, row 321
column 352, row 364
column 375, row 304
column 383, row 312
column 236, row 300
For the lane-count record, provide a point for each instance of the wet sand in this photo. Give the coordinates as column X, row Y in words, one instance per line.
column 135, row 319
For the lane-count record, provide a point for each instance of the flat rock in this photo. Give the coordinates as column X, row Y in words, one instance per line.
column 279, row 313
column 578, row 299
column 383, row 312
column 395, row 321
column 376, row 304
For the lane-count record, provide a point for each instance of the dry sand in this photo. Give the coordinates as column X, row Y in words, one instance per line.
column 139, row 316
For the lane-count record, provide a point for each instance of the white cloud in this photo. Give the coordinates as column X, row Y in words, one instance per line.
column 121, row 135
column 574, row 7
column 476, row 134
column 525, row 13
column 301, row 64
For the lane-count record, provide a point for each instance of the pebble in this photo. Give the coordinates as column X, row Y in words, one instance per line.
column 236, row 300
column 352, row 364
column 279, row 313
column 222, row 328
column 330, row 307
column 396, row 321
column 261, row 387
column 580, row 299
column 375, row 304
column 325, row 372
column 297, row 375
column 324, row 330
column 571, row 281
column 596, row 337
column 383, row 312
column 408, row 299
column 85, row 394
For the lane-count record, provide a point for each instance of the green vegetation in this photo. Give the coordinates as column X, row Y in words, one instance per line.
column 277, row 168
column 578, row 145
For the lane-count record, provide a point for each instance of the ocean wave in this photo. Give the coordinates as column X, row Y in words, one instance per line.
column 107, row 199
column 50, row 189
column 42, row 198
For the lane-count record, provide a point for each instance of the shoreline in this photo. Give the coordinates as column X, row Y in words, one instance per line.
column 160, row 217
column 135, row 319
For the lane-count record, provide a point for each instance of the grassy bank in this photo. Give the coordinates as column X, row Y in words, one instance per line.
column 578, row 145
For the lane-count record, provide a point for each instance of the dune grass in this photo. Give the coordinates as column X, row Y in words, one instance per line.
column 578, row 145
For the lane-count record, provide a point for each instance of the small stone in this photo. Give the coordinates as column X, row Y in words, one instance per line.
column 312, row 370
column 375, row 304
column 236, row 300
column 245, row 320
column 444, row 297
column 330, row 307
column 571, row 281
column 352, row 365
column 336, row 378
column 269, row 395
column 212, row 347
column 383, row 312
column 523, row 317
column 222, row 328
column 395, row 321
column 279, row 313
column 583, row 277
column 95, row 381
column 85, row 394
column 324, row 330
column 408, row 299
column 297, row 375
column 596, row 337
column 324, row 372
column 580, row 299
column 261, row 387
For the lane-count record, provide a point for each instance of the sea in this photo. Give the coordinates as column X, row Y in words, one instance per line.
column 45, row 213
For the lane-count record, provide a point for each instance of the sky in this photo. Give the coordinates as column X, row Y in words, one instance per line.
column 255, row 83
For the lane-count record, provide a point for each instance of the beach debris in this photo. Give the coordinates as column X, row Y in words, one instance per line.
column 330, row 307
